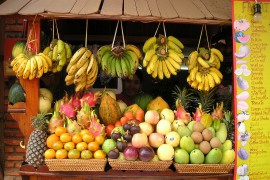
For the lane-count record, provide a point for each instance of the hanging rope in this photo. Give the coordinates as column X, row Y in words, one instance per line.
column 123, row 37
column 86, row 34
column 115, row 34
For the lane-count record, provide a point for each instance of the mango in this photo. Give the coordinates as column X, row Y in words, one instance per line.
column 227, row 145
column 187, row 143
column 228, row 157
column 222, row 133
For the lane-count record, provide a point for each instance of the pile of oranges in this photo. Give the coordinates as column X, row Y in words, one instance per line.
column 84, row 145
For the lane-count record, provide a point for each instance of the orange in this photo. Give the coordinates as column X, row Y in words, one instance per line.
column 84, row 131
column 88, row 137
column 99, row 139
column 69, row 145
column 82, row 146
column 74, row 154
column 76, row 138
column 49, row 154
column 61, row 154
column 60, row 130
column 99, row 154
column 93, row 146
column 52, row 139
column 58, row 145
column 65, row 137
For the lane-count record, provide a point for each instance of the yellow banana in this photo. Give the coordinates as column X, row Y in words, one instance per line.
column 189, row 79
column 170, row 67
column 153, row 63
column 85, row 57
column 166, row 72
column 20, row 70
column 215, row 70
column 198, row 76
column 173, row 46
column 203, row 63
column 148, row 70
column 72, row 70
column 149, row 43
column 218, row 53
column 92, row 75
column 47, row 59
column 80, row 79
column 193, row 59
column 18, row 62
column 155, row 72
column 211, row 80
column 82, row 71
column 90, row 65
column 212, row 58
column 175, row 56
column 80, row 86
column 33, row 69
column 17, row 58
column 69, row 78
column 193, row 73
column 175, row 64
column 68, row 83
column 216, row 62
column 194, row 84
column 39, row 70
column 59, row 67
column 149, row 54
column 201, row 84
column 27, row 69
column 44, row 64
column 206, row 84
column 78, row 54
column 135, row 49
column 176, row 41
column 160, row 70
column 215, row 77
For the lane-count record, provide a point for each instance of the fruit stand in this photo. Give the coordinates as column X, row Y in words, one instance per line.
column 88, row 133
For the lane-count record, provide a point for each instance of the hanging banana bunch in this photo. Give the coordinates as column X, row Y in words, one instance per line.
column 163, row 56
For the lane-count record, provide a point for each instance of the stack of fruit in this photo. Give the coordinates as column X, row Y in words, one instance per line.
column 204, row 67
column 31, row 67
column 163, row 56
column 60, row 53
column 82, row 69
column 119, row 61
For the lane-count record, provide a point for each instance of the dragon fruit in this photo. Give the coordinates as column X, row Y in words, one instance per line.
column 75, row 101
column 96, row 128
column 181, row 113
column 73, row 127
column 91, row 98
column 218, row 112
column 67, row 109
column 84, row 116
column 55, row 120
column 198, row 113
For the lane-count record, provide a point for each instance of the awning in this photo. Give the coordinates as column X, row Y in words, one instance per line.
column 177, row 11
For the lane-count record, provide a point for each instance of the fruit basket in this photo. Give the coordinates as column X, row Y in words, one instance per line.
column 203, row 168
column 139, row 165
column 76, row 164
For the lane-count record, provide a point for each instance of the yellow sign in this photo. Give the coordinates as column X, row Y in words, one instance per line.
column 251, row 39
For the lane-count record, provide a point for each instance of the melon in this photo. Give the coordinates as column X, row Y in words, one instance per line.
column 243, row 39
column 142, row 100
column 18, row 48
column 16, row 93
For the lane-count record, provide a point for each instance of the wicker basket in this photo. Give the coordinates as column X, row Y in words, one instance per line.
column 76, row 164
column 203, row 168
column 139, row 165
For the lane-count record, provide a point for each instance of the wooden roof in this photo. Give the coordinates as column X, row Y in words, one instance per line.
column 178, row 11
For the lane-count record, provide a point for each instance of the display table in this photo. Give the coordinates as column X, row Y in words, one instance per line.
column 28, row 173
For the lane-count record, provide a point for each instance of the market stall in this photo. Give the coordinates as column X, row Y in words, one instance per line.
column 167, row 18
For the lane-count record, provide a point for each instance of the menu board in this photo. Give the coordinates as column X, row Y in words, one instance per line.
column 251, row 41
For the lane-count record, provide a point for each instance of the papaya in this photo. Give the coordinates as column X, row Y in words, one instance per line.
column 157, row 104
column 109, row 110
column 133, row 108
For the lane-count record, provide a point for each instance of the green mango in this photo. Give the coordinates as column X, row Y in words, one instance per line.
column 227, row 145
column 222, row 133
column 213, row 157
column 228, row 157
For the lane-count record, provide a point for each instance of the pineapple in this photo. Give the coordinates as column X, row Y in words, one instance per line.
column 37, row 141
column 183, row 97
column 229, row 122
column 206, row 99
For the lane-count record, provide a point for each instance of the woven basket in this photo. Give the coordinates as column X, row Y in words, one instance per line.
column 139, row 165
column 76, row 164
column 203, row 168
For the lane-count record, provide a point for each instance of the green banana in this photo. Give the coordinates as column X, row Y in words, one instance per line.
column 55, row 53
column 104, row 61
column 62, row 57
column 101, row 52
column 118, row 68
column 112, row 67
column 61, row 46
column 124, row 67
column 68, row 51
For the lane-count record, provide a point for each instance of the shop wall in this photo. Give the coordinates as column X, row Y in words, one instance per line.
column 12, row 154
